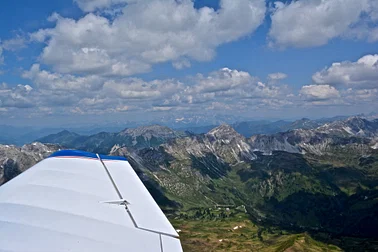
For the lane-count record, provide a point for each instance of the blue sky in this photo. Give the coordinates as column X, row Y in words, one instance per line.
column 127, row 60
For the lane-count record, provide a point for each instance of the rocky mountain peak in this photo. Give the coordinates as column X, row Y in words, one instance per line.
column 39, row 148
column 14, row 160
column 357, row 121
column 352, row 126
column 224, row 131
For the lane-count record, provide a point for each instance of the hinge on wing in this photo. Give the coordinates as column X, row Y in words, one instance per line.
column 121, row 202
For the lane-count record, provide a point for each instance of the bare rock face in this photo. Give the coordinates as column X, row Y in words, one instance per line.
column 15, row 160
column 118, row 151
column 353, row 134
column 353, row 126
column 150, row 136
column 223, row 142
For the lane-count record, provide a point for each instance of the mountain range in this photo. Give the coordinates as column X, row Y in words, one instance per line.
column 103, row 142
column 20, row 135
column 317, row 176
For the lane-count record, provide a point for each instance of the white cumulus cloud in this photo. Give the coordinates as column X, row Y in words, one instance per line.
column 55, row 81
column 319, row 92
column 145, row 33
column 228, row 86
column 362, row 74
column 141, row 90
column 314, row 22
column 222, row 80
column 19, row 96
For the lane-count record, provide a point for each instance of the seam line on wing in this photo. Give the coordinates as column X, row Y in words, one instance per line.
column 157, row 232
column 117, row 190
column 110, row 177
column 161, row 243
column 126, row 207
column 131, row 217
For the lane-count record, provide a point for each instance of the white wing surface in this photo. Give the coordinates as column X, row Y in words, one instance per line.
column 78, row 201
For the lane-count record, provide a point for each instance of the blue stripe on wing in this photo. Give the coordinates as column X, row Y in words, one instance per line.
column 84, row 154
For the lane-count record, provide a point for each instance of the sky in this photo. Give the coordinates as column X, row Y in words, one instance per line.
column 67, row 62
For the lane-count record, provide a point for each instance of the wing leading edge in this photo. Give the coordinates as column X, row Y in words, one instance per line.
column 79, row 201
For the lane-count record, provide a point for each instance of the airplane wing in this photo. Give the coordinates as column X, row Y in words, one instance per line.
column 77, row 201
